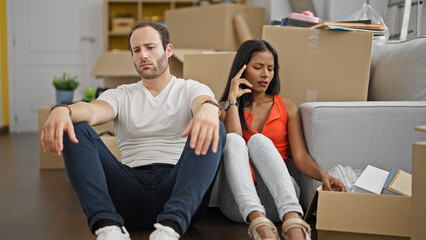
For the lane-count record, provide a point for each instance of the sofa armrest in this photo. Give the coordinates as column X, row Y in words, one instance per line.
column 360, row 133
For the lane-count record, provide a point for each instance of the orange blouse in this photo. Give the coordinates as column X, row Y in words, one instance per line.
column 275, row 127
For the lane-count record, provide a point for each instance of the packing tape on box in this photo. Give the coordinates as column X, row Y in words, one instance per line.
column 313, row 41
column 242, row 29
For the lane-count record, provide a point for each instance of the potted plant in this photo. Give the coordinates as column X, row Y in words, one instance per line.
column 65, row 86
column 89, row 94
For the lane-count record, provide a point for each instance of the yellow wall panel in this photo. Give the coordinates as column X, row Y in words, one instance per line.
column 3, row 56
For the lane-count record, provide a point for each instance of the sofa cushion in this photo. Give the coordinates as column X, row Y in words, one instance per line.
column 398, row 71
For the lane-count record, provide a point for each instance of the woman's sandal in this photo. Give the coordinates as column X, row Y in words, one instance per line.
column 262, row 221
column 299, row 223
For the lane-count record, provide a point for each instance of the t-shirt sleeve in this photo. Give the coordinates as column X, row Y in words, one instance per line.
column 196, row 89
column 111, row 96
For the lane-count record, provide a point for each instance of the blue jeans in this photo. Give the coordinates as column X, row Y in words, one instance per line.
column 139, row 197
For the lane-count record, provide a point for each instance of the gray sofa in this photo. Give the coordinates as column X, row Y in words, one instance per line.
column 379, row 132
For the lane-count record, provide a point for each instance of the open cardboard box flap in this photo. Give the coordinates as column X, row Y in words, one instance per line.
column 361, row 213
column 179, row 53
column 115, row 64
column 210, row 68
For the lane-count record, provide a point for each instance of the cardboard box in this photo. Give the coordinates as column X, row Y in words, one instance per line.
column 361, row 216
column 212, row 26
column 122, row 24
column 49, row 161
column 116, row 68
column 321, row 65
column 177, row 59
column 117, row 81
column 111, row 143
column 418, row 206
column 211, row 69
column 115, row 64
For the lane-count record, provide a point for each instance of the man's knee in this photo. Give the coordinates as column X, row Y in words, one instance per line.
column 81, row 130
column 81, row 126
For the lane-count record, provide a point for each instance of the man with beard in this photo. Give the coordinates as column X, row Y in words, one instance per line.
column 170, row 140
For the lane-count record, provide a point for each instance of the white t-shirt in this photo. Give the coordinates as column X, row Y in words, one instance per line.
column 148, row 128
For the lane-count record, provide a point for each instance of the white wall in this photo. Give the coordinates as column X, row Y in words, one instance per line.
column 274, row 9
column 44, row 48
column 279, row 9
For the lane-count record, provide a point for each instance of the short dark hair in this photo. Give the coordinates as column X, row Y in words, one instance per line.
column 161, row 29
column 243, row 56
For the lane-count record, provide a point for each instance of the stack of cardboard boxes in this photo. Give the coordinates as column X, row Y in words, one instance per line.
column 205, row 40
column 315, row 65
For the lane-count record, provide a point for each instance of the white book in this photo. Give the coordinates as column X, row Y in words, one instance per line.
column 371, row 180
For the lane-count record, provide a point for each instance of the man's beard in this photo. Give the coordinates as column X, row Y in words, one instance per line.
column 160, row 68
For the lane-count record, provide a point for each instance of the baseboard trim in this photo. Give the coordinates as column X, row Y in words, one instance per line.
column 4, row 130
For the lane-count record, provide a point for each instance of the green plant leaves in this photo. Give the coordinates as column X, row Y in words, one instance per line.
column 89, row 92
column 65, row 82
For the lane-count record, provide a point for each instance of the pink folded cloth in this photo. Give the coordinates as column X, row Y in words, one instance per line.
column 305, row 16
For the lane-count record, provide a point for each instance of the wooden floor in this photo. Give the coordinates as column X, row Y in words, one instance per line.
column 41, row 205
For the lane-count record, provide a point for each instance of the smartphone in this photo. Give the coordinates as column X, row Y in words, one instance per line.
column 243, row 86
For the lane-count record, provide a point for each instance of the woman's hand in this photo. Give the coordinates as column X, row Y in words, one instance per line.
column 331, row 183
column 235, row 91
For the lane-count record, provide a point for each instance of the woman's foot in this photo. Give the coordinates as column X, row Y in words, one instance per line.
column 262, row 228
column 295, row 234
column 294, row 228
column 265, row 232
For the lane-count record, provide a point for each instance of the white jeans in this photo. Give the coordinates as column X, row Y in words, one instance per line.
column 275, row 187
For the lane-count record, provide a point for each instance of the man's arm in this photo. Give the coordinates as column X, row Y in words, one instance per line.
column 61, row 120
column 204, row 126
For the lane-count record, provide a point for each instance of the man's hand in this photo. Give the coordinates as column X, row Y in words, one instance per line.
column 58, row 122
column 331, row 183
column 204, row 129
